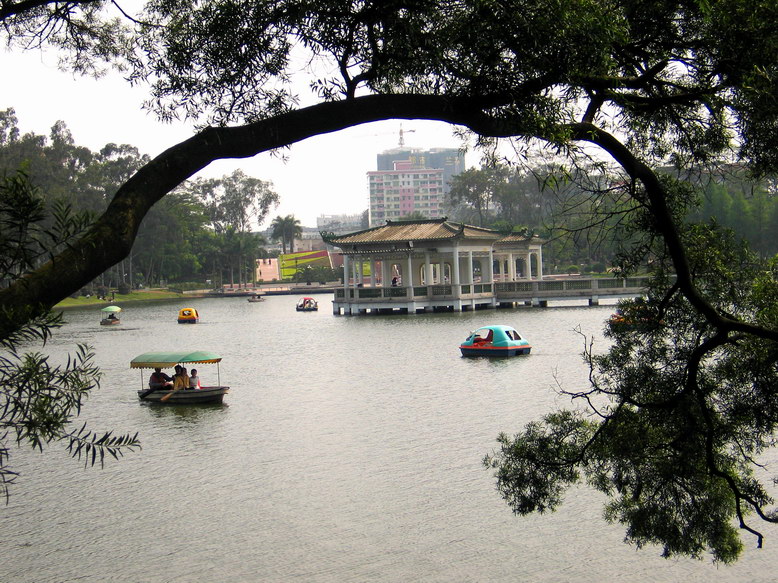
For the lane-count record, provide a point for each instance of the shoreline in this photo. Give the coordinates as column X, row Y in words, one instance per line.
column 158, row 295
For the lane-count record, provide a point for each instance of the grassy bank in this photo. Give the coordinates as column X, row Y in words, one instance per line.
column 119, row 299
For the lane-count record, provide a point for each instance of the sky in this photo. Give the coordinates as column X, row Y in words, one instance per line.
column 323, row 175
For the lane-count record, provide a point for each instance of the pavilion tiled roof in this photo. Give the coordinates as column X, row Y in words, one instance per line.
column 420, row 230
column 519, row 238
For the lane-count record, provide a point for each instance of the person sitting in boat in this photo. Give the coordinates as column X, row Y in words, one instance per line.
column 180, row 379
column 159, row 380
column 483, row 339
column 194, row 380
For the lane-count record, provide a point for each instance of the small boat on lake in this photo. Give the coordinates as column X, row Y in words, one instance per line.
column 162, row 360
column 188, row 316
column 307, row 305
column 109, row 316
column 256, row 298
column 495, row 341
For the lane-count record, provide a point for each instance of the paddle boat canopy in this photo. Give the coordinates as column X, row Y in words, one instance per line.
column 188, row 316
column 495, row 341
column 165, row 394
column 307, row 305
column 109, row 316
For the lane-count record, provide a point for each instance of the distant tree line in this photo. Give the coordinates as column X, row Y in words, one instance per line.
column 558, row 205
column 202, row 231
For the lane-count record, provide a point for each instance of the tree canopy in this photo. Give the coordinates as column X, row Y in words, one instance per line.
column 639, row 83
column 200, row 231
column 286, row 229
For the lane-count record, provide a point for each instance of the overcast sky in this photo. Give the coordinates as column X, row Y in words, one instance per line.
column 324, row 174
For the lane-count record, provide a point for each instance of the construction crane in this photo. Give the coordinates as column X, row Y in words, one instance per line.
column 402, row 135
column 402, row 140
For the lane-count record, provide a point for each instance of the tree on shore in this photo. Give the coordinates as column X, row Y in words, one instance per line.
column 674, row 438
column 286, row 229
column 473, row 187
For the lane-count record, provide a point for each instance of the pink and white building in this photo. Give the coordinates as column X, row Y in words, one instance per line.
column 411, row 181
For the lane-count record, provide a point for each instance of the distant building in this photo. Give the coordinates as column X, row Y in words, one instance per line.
column 310, row 240
column 340, row 224
column 450, row 160
column 411, row 181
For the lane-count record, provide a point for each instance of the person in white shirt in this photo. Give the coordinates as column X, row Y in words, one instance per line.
column 194, row 380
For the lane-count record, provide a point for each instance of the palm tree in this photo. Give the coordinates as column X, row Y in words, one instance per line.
column 286, row 229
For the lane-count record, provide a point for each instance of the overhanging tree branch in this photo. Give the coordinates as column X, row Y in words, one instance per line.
column 21, row 8
column 666, row 226
column 111, row 237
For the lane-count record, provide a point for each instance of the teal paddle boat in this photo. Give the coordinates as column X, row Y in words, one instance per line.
column 495, row 341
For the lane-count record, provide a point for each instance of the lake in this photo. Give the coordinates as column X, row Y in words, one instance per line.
column 348, row 450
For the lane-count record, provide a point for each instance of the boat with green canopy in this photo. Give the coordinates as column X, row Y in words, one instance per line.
column 165, row 394
column 109, row 316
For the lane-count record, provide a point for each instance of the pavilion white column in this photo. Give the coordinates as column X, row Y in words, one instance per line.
column 360, row 272
column 373, row 278
column 428, row 268
column 455, row 266
column 540, row 262
column 346, row 274
column 511, row 267
column 386, row 275
column 528, row 264
column 470, row 276
column 408, row 275
column 491, row 267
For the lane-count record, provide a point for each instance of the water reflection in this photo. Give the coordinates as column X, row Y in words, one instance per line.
column 187, row 413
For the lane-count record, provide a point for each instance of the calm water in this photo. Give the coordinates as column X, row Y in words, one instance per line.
column 349, row 449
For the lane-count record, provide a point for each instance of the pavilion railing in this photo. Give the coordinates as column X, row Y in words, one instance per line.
column 506, row 289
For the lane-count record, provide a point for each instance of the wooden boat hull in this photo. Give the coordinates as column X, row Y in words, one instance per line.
column 187, row 397
column 494, row 350
column 110, row 321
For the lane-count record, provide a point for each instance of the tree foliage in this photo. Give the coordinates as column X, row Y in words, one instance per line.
column 286, row 229
column 474, row 188
column 679, row 411
column 183, row 238
column 642, row 83
column 236, row 201
column 39, row 400
column 91, row 35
